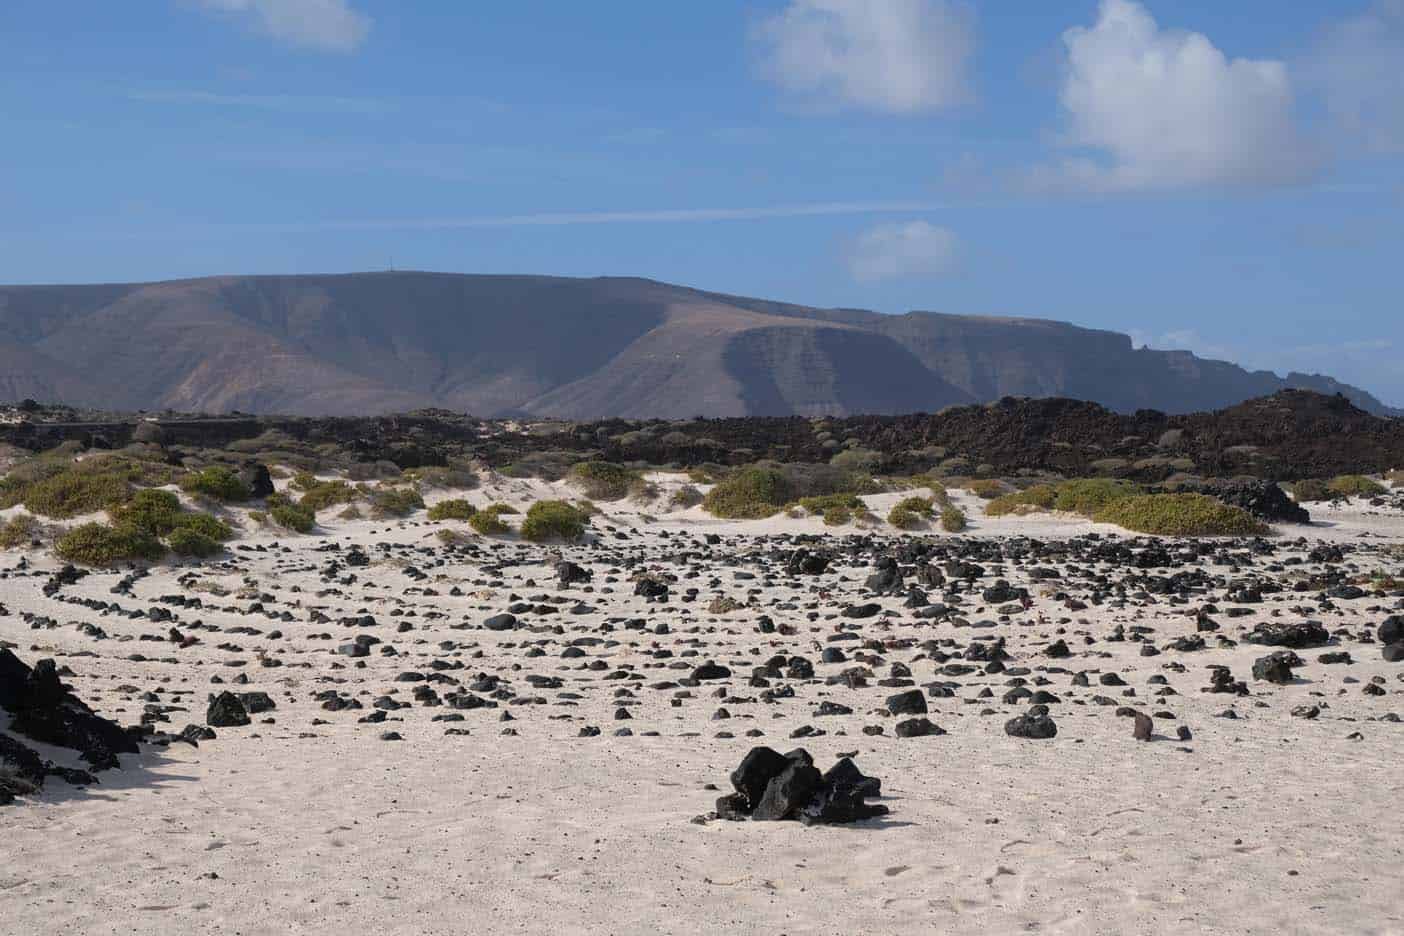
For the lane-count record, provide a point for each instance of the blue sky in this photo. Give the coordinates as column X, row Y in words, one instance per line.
column 1227, row 177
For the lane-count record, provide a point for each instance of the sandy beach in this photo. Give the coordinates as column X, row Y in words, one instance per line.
column 307, row 821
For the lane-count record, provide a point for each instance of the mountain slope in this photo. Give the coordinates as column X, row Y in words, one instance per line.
column 577, row 348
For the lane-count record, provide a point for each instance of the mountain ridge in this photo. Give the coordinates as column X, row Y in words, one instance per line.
column 505, row 345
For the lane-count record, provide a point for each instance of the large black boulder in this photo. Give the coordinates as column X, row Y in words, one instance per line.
column 1392, row 630
column 226, row 711
column 755, row 772
column 44, row 710
column 1296, row 634
column 911, row 702
column 1037, row 727
column 1263, row 499
column 257, row 479
column 771, row 787
column 788, row 792
column 918, row 728
column 1276, row 667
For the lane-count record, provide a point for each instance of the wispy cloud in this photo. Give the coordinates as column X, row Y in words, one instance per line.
column 282, row 103
column 569, row 218
column 330, row 25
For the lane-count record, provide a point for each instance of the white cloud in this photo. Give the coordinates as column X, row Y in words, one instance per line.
column 1165, row 109
column 915, row 248
column 1356, row 66
column 321, row 24
column 894, row 56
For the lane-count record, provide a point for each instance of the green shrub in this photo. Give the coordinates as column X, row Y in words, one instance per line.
column 319, row 495
column 488, row 523
column 1312, row 490
column 99, row 544
column 706, row 474
column 191, row 542
column 826, row 502
column 1355, row 486
column 155, row 511
column 748, row 494
column 685, row 497
column 74, row 493
column 1038, row 497
column 1086, row 496
column 556, row 519
column 20, row 530
column 293, row 517
column 986, row 489
column 952, row 519
column 604, row 481
column 910, row 512
column 202, row 524
column 456, row 509
column 837, row 515
column 500, row 509
column 394, row 502
column 217, row 483
column 1179, row 515
column 861, row 461
column 453, row 477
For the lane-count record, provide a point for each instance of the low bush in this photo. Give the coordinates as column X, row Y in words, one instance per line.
column 99, row 544
column 911, row 512
column 986, row 489
column 1086, row 496
column 74, row 493
column 861, row 461
column 394, row 502
column 191, row 542
column 604, row 481
column 217, row 483
column 18, row 531
column 838, row 515
column 293, row 517
column 826, row 502
column 155, row 511
column 749, row 494
column 685, row 497
column 952, row 519
column 319, row 495
column 1311, row 491
column 1180, row 515
column 1355, row 486
column 547, row 520
column 456, row 509
column 1038, row 497
column 488, row 523
column 202, row 524
column 451, row 477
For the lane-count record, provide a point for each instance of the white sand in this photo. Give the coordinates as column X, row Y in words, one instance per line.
column 1267, row 824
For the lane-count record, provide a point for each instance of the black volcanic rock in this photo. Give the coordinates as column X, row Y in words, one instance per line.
column 43, row 710
column 1263, row 499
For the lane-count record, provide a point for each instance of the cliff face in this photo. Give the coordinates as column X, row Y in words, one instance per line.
column 584, row 349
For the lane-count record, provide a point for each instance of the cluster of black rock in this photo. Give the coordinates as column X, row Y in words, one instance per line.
column 771, row 786
column 42, row 709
